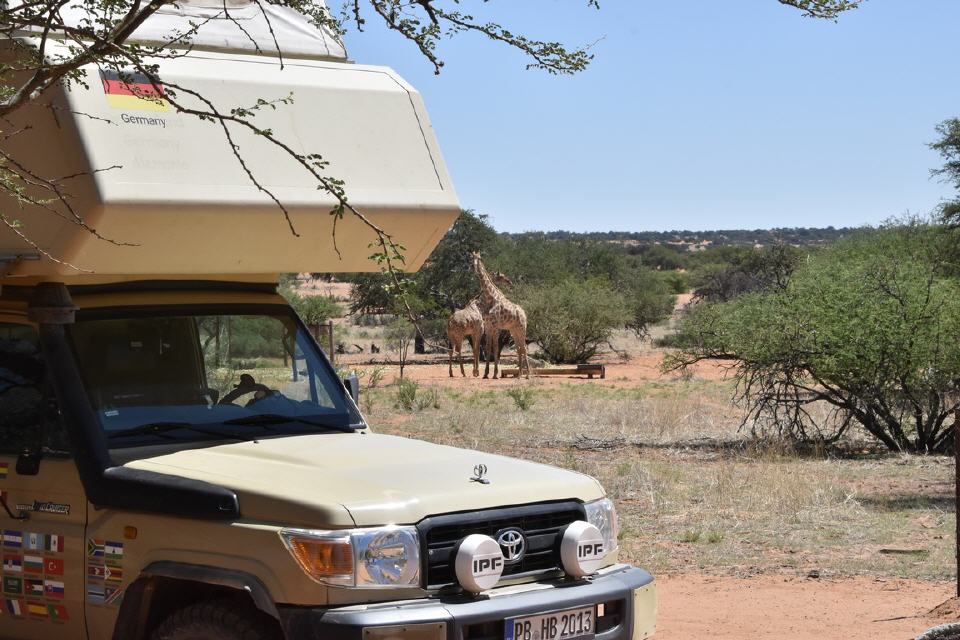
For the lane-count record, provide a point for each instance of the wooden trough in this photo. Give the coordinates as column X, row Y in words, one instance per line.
column 588, row 370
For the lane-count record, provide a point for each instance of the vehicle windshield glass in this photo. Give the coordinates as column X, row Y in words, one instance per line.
column 183, row 377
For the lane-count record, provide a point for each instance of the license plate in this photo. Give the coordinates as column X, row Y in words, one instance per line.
column 559, row 625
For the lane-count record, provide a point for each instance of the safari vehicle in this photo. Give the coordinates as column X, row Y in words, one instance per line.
column 179, row 459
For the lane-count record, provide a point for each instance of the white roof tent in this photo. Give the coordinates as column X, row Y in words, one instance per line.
column 167, row 189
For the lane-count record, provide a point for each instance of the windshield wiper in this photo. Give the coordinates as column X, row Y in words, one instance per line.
column 161, row 428
column 267, row 419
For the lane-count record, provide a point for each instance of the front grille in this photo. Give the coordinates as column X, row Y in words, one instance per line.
column 541, row 524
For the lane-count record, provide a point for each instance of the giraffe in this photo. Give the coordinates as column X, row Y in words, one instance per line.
column 465, row 323
column 499, row 314
column 468, row 323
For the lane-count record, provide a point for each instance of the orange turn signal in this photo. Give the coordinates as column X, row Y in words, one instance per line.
column 323, row 559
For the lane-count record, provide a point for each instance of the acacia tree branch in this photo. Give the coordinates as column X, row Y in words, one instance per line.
column 823, row 9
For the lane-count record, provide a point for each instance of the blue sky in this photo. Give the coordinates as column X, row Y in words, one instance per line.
column 695, row 114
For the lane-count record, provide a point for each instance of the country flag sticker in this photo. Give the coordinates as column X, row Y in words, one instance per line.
column 94, row 548
column 128, row 90
column 12, row 539
column 14, row 607
column 33, row 588
column 58, row 612
column 12, row 564
column 95, row 592
column 53, row 589
column 54, row 543
column 113, row 551
column 53, row 566
column 113, row 574
column 113, row 595
column 33, row 564
column 33, row 541
column 4, row 469
column 96, row 571
column 13, row 586
column 37, row 609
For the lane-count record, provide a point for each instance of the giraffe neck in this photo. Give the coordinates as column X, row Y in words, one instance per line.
column 489, row 292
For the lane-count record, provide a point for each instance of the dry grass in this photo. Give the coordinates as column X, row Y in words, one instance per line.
column 692, row 493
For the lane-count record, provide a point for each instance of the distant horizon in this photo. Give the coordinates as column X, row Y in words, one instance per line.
column 676, row 231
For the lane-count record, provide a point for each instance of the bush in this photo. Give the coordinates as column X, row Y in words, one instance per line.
column 863, row 333
column 406, row 394
column 571, row 319
column 523, row 397
column 748, row 270
column 411, row 398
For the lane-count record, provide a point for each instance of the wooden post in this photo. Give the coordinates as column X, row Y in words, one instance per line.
column 315, row 330
column 332, row 353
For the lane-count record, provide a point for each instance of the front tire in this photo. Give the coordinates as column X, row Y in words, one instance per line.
column 217, row 620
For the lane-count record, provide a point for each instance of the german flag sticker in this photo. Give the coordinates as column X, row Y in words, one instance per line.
column 132, row 91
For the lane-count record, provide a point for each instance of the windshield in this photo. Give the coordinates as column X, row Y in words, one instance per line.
column 199, row 377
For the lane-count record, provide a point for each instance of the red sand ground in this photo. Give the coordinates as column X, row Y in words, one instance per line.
column 640, row 368
column 768, row 607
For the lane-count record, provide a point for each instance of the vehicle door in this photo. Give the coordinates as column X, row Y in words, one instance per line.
column 42, row 503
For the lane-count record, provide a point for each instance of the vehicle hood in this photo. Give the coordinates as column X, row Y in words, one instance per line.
column 365, row 479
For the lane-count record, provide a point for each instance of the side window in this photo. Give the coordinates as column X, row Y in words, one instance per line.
column 21, row 387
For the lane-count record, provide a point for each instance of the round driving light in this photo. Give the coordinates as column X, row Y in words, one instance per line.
column 479, row 563
column 582, row 549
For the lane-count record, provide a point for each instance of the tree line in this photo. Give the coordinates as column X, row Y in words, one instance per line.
column 863, row 334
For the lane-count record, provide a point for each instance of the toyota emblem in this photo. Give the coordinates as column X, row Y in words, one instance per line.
column 512, row 544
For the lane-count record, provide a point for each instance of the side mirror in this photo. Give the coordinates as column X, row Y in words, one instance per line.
column 352, row 384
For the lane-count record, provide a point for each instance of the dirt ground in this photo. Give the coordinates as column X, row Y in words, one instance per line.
column 768, row 607
column 432, row 369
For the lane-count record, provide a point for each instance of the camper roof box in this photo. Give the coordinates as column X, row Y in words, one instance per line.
column 168, row 197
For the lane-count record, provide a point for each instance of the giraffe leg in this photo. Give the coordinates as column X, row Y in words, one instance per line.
column 450, row 364
column 460, row 358
column 486, row 368
column 496, row 356
column 523, row 365
column 476, row 353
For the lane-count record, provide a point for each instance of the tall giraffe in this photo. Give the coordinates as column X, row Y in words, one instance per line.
column 499, row 314
column 465, row 323
column 468, row 323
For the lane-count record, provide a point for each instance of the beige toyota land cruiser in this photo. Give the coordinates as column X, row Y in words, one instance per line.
column 178, row 458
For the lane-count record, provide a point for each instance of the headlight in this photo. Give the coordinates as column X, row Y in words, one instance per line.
column 364, row 558
column 603, row 515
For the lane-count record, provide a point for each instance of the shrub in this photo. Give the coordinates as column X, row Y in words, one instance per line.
column 428, row 398
column 406, row 394
column 863, row 333
column 748, row 270
column 410, row 397
column 375, row 376
column 571, row 319
column 523, row 397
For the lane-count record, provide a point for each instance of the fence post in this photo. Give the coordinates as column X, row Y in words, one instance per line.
column 328, row 331
column 332, row 353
